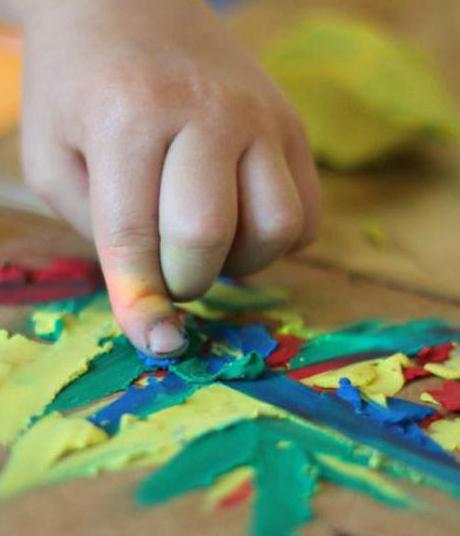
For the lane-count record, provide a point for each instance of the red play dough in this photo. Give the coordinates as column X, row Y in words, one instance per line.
column 65, row 277
column 426, row 422
column 325, row 366
column 434, row 354
column 412, row 373
column 238, row 495
column 448, row 396
column 288, row 347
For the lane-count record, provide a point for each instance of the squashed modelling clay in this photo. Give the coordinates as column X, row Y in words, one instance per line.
column 52, row 438
column 147, row 442
column 446, row 433
column 448, row 396
column 376, row 339
column 376, row 378
column 449, row 370
column 107, row 373
column 33, row 373
column 63, row 278
column 120, row 410
column 287, row 459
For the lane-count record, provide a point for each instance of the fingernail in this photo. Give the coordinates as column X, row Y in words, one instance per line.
column 166, row 340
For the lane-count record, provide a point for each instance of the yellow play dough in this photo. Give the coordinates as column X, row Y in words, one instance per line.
column 226, row 485
column 359, row 374
column 360, row 473
column 201, row 310
column 52, row 438
column 32, row 373
column 448, row 370
column 155, row 440
column 426, row 397
column 376, row 379
column 389, row 377
column 446, row 433
column 149, row 442
column 45, row 323
column 362, row 94
column 292, row 323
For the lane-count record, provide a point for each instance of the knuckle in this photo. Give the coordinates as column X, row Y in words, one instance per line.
column 125, row 101
column 216, row 96
column 282, row 229
column 37, row 181
column 203, row 235
column 223, row 104
column 130, row 240
column 309, row 233
column 121, row 112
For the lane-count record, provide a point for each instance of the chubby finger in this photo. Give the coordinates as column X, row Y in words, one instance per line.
column 124, row 186
column 305, row 175
column 198, row 209
column 57, row 174
column 270, row 218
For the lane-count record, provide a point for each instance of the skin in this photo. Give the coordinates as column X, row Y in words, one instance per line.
column 152, row 132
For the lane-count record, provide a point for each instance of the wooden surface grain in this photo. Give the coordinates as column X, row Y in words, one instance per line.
column 342, row 279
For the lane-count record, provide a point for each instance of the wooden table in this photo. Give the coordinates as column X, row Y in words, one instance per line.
column 342, row 279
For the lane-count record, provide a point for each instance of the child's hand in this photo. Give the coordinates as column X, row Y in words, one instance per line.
column 147, row 127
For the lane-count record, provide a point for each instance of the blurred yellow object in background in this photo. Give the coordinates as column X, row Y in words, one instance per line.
column 10, row 78
column 363, row 95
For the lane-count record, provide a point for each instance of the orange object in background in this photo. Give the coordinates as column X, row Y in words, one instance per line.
column 10, row 78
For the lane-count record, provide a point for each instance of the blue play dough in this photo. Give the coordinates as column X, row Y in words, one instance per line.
column 140, row 401
column 256, row 338
column 332, row 411
column 396, row 411
column 216, row 363
column 156, row 362
column 249, row 338
column 246, row 339
column 400, row 416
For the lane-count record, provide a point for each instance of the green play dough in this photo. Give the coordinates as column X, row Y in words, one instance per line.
column 195, row 369
column 285, row 483
column 288, row 457
column 107, row 374
column 200, row 463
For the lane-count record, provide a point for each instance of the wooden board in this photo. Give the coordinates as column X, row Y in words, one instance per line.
column 104, row 506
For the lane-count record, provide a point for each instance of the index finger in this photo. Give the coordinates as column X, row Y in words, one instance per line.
column 124, row 186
